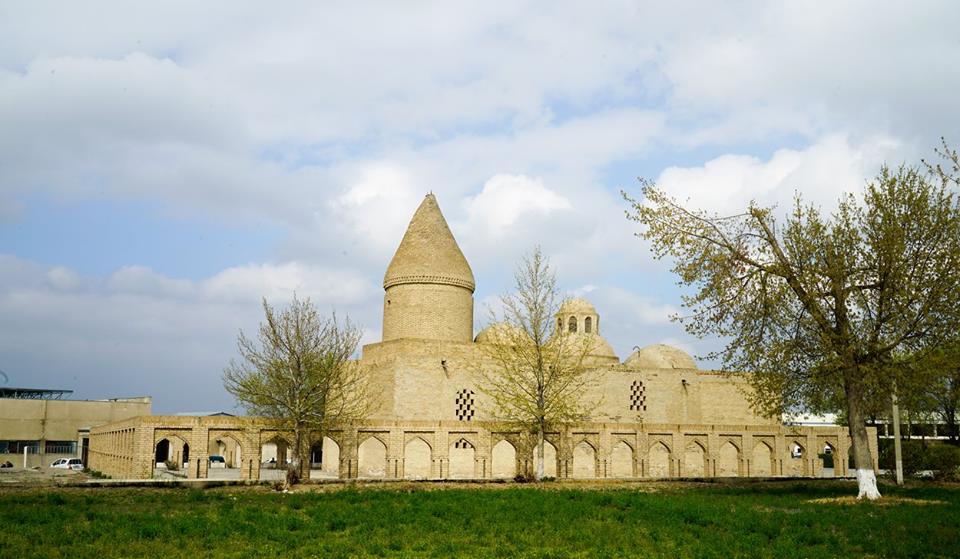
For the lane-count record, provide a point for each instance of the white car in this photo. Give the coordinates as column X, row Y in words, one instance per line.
column 68, row 464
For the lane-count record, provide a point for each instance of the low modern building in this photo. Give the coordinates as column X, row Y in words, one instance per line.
column 43, row 425
column 657, row 413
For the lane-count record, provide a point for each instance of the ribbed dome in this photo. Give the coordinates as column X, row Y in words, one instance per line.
column 428, row 252
column 660, row 356
column 577, row 305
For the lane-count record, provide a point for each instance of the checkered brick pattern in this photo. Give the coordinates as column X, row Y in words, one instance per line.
column 465, row 405
column 638, row 396
column 462, row 443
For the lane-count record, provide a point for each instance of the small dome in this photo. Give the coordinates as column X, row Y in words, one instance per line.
column 577, row 305
column 498, row 331
column 660, row 356
column 600, row 346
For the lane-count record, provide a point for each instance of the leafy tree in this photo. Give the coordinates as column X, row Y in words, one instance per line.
column 820, row 306
column 934, row 387
column 536, row 376
column 298, row 371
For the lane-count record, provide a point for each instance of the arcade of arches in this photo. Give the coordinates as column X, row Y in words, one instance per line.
column 251, row 448
column 658, row 414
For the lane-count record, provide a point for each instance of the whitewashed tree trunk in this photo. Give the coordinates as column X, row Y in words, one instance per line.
column 867, row 484
column 862, row 460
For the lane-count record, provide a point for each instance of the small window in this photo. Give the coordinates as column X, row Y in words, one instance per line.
column 588, row 325
column 638, row 396
column 572, row 324
column 465, row 405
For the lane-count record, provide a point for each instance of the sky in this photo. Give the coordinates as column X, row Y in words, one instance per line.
column 163, row 167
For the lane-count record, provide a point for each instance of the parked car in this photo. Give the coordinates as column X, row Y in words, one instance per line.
column 68, row 464
column 217, row 461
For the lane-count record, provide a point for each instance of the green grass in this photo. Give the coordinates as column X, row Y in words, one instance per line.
column 758, row 520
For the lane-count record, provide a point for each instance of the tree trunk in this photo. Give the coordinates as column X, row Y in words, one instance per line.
column 295, row 467
column 540, row 469
column 862, row 461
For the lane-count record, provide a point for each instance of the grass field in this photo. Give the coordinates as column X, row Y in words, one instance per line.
column 782, row 519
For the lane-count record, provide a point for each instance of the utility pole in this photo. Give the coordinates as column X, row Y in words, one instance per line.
column 896, row 437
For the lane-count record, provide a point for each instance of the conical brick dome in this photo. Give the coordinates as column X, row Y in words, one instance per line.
column 428, row 253
column 428, row 287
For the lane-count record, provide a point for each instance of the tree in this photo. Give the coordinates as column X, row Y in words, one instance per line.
column 821, row 308
column 298, row 371
column 935, row 387
column 537, row 377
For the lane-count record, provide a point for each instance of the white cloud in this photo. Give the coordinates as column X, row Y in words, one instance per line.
column 821, row 172
column 332, row 121
column 139, row 332
column 506, row 199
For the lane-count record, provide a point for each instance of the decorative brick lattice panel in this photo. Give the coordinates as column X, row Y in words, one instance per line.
column 466, row 407
column 638, row 396
column 462, row 443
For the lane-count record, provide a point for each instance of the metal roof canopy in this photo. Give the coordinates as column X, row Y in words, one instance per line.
column 33, row 393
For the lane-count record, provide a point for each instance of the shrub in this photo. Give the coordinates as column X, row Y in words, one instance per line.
column 944, row 459
column 172, row 465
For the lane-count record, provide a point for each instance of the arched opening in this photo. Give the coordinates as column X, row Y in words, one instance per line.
column 462, row 460
column 658, row 461
column 827, row 467
column 329, row 459
column 225, row 457
column 372, row 459
column 621, row 460
column 504, row 460
column 728, row 460
column 549, row 459
column 186, row 455
column 559, row 324
column 162, row 453
column 797, row 464
column 417, row 459
column 588, row 325
column 761, row 463
column 694, row 457
column 572, row 324
column 316, row 455
column 275, row 454
column 584, row 461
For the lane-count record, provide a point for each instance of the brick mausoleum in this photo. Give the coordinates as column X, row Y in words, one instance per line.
column 659, row 415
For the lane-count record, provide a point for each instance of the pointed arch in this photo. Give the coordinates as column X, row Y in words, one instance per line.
column 504, row 460
column 588, row 325
column 761, row 461
column 417, row 459
column 584, row 460
column 325, row 459
column 572, row 325
column 621, row 460
column 462, row 460
column 372, row 458
column 694, row 460
column 828, row 465
column 658, row 460
column 728, row 460
column 797, row 464
column 549, row 459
